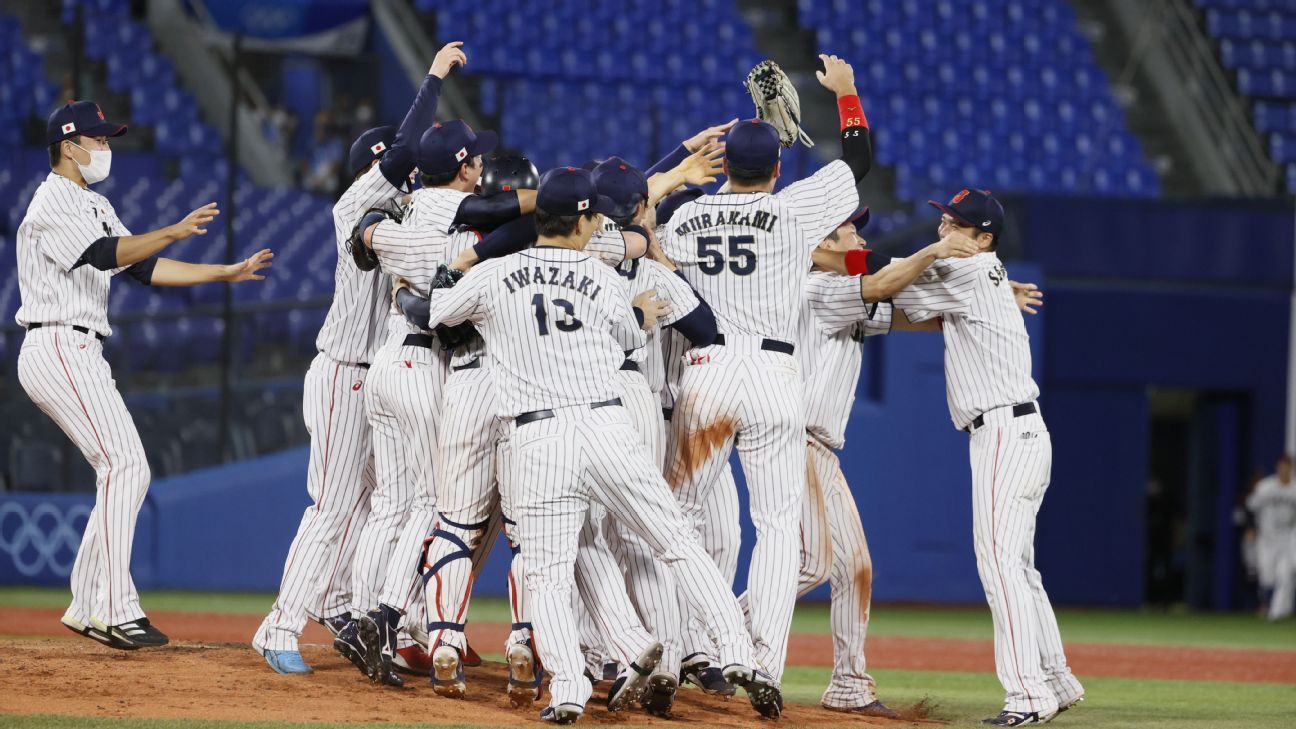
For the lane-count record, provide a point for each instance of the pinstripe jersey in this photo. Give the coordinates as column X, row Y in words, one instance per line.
column 748, row 253
column 834, row 321
column 356, row 325
column 608, row 244
column 61, row 222
column 413, row 248
column 643, row 274
column 557, row 324
column 987, row 350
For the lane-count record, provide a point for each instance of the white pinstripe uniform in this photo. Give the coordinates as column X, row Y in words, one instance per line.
column 340, row 475
column 987, row 373
column 834, row 321
column 1274, row 505
column 404, row 407
column 63, row 371
column 747, row 254
column 557, row 323
column 720, row 530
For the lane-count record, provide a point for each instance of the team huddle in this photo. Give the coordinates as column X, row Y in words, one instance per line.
column 570, row 359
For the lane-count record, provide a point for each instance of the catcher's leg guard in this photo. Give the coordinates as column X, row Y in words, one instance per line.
column 448, row 578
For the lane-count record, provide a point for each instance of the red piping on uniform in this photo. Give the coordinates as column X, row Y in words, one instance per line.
column 328, row 438
column 107, row 478
column 342, row 545
column 994, row 546
column 440, row 618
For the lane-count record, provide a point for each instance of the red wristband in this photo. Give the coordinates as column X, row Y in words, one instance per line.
column 851, row 112
column 857, row 261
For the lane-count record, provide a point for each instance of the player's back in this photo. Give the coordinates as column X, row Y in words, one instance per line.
column 557, row 324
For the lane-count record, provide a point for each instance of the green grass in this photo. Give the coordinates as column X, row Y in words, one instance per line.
column 960, row 698
column 1134, row 627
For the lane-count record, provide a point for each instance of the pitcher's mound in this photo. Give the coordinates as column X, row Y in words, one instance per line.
column 229, row 681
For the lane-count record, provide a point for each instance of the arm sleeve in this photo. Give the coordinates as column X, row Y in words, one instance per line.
column 677, row 155
column 102, row 254
column 488, row 212
column 822, row 201
column 672, row 287
column 414, row 307
column 838, row 302
column 511, row 237
column 408, row 250
column 459, row 304
column 857, row 151
column 142, row 271
column 946, row 286
column 398, row 162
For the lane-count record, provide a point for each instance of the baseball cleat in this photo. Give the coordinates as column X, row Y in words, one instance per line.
column 333, row 625
column 1064, row 705
column 448, row 673
column 611, row 670
column 630, row 685
column 659, row 696
column 413, row 660
column 371, row 628
column 139, row 633
column 872, row 708
column 762, row 690
column 697, row 670
column 353, row 649
column 286, row 662
column 562, row 713
column 523, row 675
column 1014, row 718
column 93, row 633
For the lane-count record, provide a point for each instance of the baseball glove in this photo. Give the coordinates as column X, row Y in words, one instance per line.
column 364, row 257
column 777, row 102
column 459, row 334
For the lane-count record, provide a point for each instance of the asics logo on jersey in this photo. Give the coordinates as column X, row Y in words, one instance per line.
column 553, row 276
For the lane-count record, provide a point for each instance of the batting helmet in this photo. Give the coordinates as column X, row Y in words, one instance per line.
column 503, row 174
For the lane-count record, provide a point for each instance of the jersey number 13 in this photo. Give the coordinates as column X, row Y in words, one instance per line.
column 568, row 322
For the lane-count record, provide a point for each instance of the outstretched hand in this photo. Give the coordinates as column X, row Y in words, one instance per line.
column 708, row 136
column 193, row 223
column 703, row 166
column 447, row 58
column 837, row 76
column 1028, row 296
column 956, row 245
column 246, row 270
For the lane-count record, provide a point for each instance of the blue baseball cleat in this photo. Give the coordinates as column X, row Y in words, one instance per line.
column 286, row 662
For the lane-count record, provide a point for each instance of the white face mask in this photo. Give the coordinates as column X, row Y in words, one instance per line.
column 100, row 164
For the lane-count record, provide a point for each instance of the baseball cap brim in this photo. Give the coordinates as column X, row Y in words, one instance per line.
column 950, row 212
column 487, row 140
column 603, row 204
column 860, row 218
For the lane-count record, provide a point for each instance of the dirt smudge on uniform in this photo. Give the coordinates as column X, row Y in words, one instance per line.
column 694, row 447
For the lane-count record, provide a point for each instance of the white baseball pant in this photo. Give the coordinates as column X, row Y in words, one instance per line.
column 63, row 371
column 741, row 390
column 1011, row 461
column 339, row 479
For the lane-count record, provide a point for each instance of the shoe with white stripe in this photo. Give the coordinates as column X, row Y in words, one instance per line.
column 93, row 633
column 137, row 633
column 1014, row 718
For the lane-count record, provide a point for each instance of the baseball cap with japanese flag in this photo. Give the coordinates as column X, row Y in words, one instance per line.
column 370, row 146
column 567, row 191
column 80, row 118
column 449, row 144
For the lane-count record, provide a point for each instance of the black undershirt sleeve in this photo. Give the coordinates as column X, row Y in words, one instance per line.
column 101, row 254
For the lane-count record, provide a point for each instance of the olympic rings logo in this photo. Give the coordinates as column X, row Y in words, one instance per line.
column 47, row 537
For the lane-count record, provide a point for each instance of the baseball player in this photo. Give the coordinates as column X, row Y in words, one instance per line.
column 70, row 245
column 1273, row 501
column 340, row 475
column 993, row 397
column 838, row 312
column 558, row 324
column 450, row 161
column 746, row 253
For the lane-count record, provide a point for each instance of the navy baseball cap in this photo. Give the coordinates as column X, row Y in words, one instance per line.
column 672, row 202
column 571, row 191
column 370, row 146
column 753, row 145
column 974, row 208
column 449, row 144
column 80, row 118
column 623, row 182
column 860, row 218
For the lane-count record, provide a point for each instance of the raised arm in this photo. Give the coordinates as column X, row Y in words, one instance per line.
column 111, row 252
column 903, row 271
column 857, row 147
column 398, row 162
